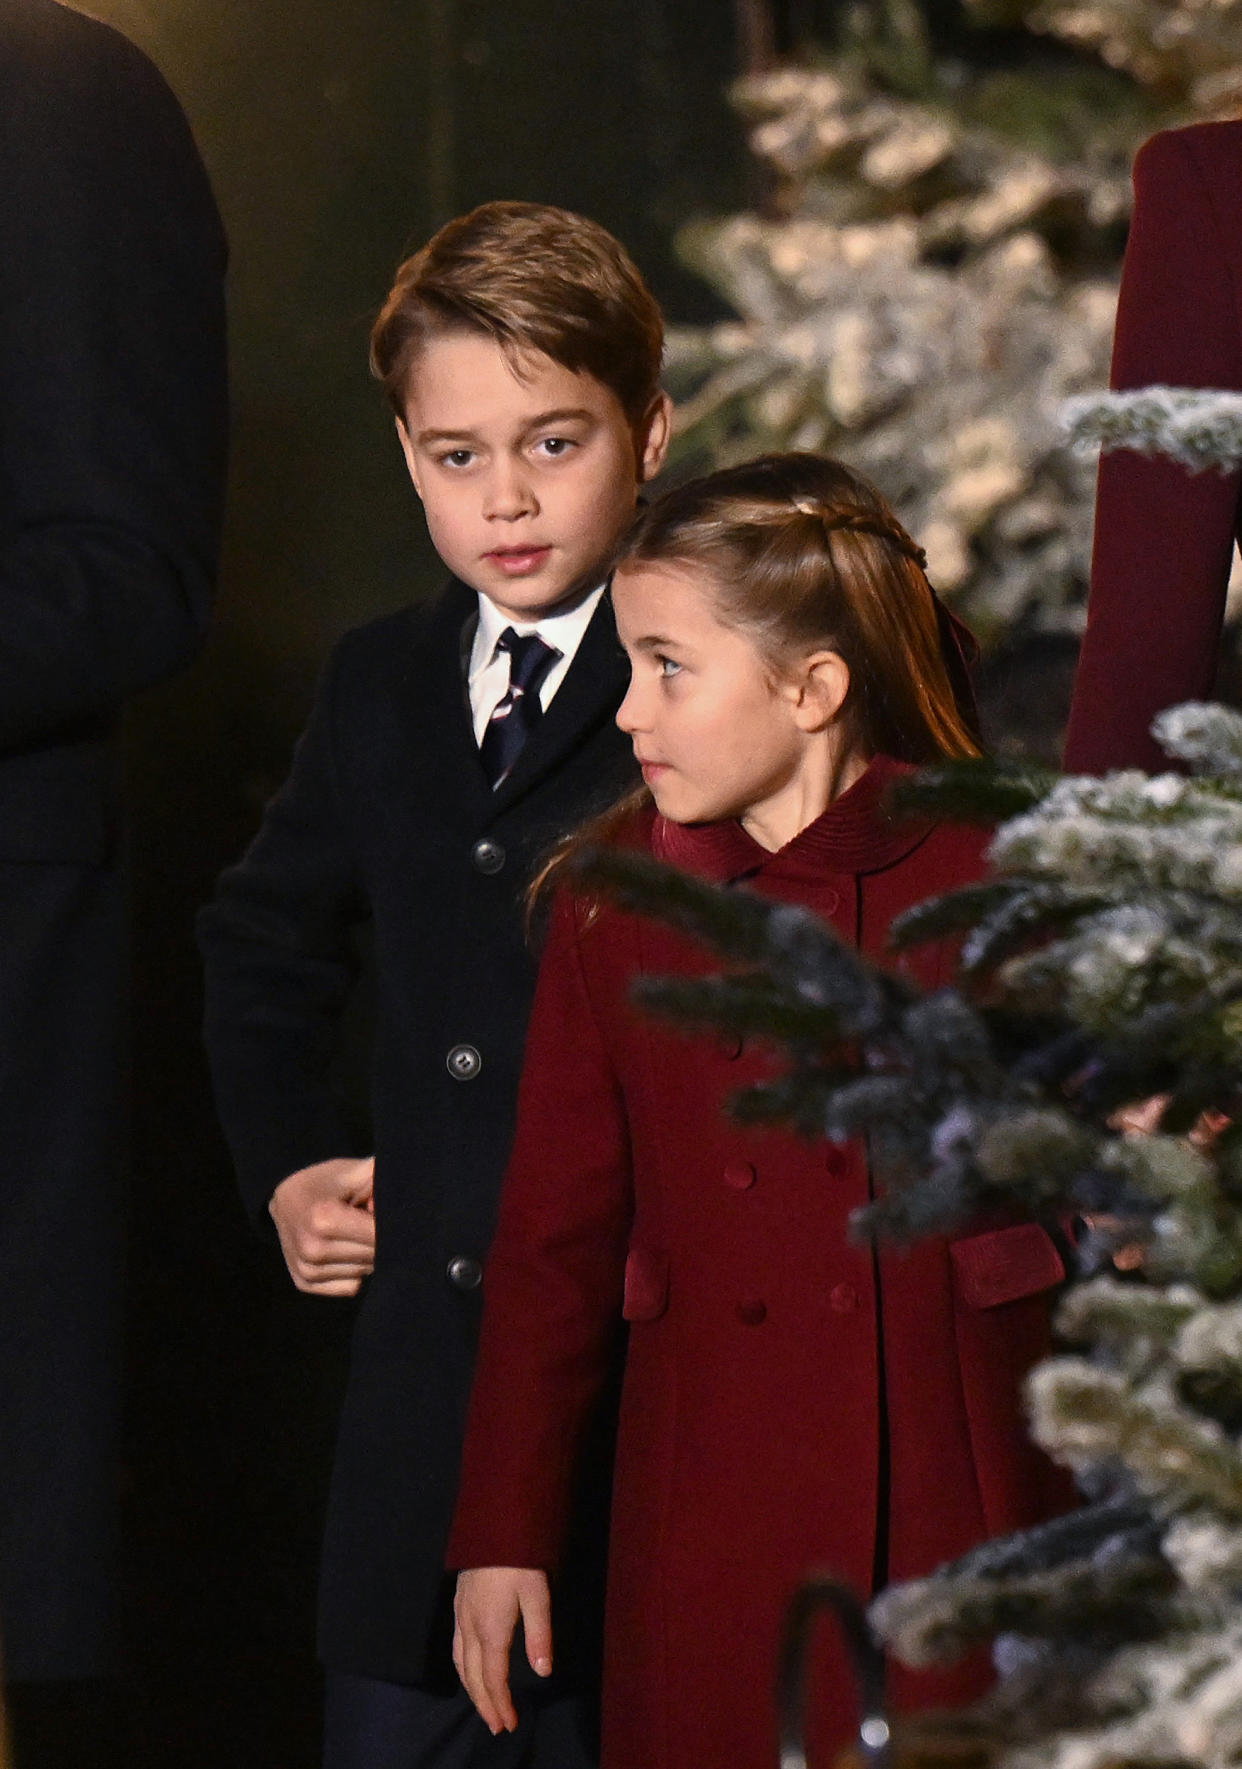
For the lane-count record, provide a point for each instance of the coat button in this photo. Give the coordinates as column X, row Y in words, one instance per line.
column 752, row 1313
column 465, row 1273
column 729, row 1046
column 740, row 1176
column 836, row 1161
column 463, row 1062
column 843, row 1298
column 488, row 856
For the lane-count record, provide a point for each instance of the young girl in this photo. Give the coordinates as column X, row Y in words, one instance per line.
column 792, row 1399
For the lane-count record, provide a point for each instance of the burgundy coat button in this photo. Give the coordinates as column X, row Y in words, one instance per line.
column 740, row 1175
column 752, row 1314
column 836, row 1161
column 843, row 1297
column 729, row 1046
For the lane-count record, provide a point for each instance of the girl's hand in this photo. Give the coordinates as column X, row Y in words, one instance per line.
column 490, row 1600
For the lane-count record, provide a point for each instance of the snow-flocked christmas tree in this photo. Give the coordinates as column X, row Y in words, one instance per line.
column 934, row 270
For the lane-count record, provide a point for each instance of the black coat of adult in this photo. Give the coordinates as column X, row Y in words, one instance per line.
column 387, row 815
column 112, row 422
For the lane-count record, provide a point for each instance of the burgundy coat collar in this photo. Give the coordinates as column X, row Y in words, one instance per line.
column 857, row 833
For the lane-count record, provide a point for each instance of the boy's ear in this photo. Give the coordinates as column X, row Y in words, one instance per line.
column 653, row 437
column 819, row 689
column 411, row 459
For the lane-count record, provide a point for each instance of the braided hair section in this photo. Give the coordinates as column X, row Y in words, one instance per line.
column 863, row 522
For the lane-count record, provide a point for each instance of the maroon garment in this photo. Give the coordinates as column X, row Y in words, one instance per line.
column 1163, row 536
column 751, row 1438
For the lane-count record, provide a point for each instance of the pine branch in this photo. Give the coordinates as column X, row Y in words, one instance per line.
column 1029, row 911
column 1083, row 1414
column 973, row 791
column 733, row 923
column 1131, row 1320
column 1206, row 736
column 748, row 1006
column 1101, row 1602
column 1199, row 429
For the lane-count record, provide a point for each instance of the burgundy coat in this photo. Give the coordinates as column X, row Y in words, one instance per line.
column 1163, row 536
column 773, row 1418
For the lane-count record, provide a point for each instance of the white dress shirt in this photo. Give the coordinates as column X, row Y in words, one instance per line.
column 488, row 672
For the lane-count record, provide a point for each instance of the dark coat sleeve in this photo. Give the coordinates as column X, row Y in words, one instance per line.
column 279, row 966
column 554, row 1278
column 112, row 378
column 1163, row 536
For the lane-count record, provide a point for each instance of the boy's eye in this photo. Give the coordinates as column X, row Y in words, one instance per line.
column 555, row 446
column 457, row 457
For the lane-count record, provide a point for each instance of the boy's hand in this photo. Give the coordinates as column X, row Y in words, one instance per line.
column 490, row 1599
column 325, row 1218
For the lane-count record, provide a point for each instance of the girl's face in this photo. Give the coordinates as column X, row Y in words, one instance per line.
column 718, row 733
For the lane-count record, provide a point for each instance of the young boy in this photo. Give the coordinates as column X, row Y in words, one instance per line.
column 449, row 746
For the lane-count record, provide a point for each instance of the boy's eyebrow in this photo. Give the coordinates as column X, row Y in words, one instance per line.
column 462, row 435
column 562, row 415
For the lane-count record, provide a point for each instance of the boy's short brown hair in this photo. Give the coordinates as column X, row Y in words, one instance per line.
column 532, row 278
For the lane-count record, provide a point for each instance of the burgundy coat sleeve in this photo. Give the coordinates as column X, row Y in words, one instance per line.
column 554, row 1277
column 1164, row 536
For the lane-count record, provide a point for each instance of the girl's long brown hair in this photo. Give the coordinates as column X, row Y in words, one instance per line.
column 803, row 554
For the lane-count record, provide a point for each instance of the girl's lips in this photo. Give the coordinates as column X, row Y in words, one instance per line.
column 517, row 561
column 650, row 770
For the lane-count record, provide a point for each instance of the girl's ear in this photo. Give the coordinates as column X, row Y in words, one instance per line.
column 821, row 685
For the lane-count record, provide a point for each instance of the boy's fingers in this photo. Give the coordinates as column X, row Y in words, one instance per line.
column 338, row 1225
column 318, row 1250
column 337, row 1287
column 339, row 1265
column 537, row 1624
column 360, row 1188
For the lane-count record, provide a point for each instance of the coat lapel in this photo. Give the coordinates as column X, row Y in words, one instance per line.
column 439, row 719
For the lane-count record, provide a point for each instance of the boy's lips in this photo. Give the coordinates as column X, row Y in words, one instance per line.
column 517, row 561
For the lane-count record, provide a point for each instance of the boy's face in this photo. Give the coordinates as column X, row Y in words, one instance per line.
column 528, row 479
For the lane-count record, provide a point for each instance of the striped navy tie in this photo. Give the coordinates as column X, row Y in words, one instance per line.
column 520, row 711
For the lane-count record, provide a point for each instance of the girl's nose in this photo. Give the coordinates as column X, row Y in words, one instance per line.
column 629, row 712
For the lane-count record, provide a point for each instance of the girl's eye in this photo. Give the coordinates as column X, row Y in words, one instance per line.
column 667, row 666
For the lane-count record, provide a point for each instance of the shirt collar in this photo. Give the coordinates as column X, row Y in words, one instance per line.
column 562, row 631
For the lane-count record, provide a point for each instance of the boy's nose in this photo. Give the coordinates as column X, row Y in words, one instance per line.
column 509, row 495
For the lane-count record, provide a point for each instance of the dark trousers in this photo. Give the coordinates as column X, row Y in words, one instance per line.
column 369, row 1724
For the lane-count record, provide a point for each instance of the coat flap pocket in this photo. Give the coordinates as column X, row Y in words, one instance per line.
column 646, row 1285
column 1005, row 1264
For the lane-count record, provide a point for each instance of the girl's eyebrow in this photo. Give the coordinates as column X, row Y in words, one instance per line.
column 652, row 642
